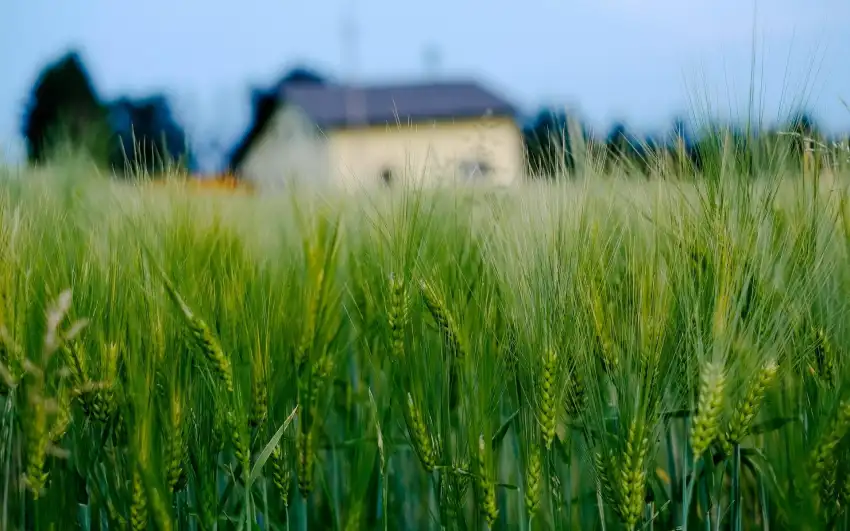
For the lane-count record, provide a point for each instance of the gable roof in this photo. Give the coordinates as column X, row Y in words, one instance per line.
column 333, row 106
column 336, row 106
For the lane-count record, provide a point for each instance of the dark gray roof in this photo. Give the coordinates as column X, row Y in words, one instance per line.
column 331, row 106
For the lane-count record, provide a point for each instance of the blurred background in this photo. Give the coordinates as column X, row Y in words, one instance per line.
column 198, row 71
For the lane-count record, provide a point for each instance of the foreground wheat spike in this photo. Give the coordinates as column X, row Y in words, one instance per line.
column 824, row 356
column 397, row 315
column 419, row 436
column 452, row 490
column 139, row 505
column 103, row 402
column 439, row 310
column 485, row 489
column 823, row 457
column 315, row 267
column 37, row 440
column 844, row 489
column 705, row 428
column 546, row 405
column 204, row 340
column 576, row 394
column 281, row 473
column 75, row 361
column 63, row 415
column 209, row 500
column 240, row 445
column 533, row 479
column 175, row 448
column 604, row 343
column 745, row 411
column 321, row 372
column 259, row 393
column 633, row 475
column 604, row 465
column 83, row 390
column 305, row 451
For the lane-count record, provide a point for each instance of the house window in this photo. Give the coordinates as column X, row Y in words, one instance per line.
column 387, row 176
column 475, row 169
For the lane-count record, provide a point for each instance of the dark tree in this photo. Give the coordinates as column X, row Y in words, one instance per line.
column 805, row 132
column 547, row 142
column 619, row 144
column 147, row 136
column 63, row 109
column 681, row 145
column 302, row 75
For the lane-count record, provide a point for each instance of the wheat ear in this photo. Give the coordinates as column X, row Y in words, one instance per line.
column 486, row 492
column 546, row 404
column 281, row 472
column 823, row 459
column 533, row 479
column 103, row 402
column 204, row 339
column 745, row 412
column 175, row 447
column 397, row 315
column 445, row 321
column 138, row 505
column 36, row 434
column 705, row 429
column 824, row 356
column 633, row 475
column 240, row 445
column 306, row 456
column 259, row 392
column 418, row 431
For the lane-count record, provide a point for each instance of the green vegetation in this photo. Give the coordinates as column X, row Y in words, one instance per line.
column 595, row 354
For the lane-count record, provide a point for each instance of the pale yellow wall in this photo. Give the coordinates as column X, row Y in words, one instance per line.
column 426, row 152
column 290, row 150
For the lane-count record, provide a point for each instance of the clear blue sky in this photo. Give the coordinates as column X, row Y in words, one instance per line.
column 635, row 60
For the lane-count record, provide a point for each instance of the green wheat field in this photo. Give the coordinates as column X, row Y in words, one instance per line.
column 599, row 353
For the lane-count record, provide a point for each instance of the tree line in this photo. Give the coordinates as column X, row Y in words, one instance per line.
column 141, row 135
column 130, row 135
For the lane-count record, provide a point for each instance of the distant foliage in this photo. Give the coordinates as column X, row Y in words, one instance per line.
column 548, row 143
column 147, row 136
column 746, row 151
column 64, row 110
column 129, row 135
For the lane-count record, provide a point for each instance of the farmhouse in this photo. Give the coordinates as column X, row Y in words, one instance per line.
column 355, row 136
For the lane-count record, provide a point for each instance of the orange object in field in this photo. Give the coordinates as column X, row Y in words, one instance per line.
column 219, row 182
column 225, row 182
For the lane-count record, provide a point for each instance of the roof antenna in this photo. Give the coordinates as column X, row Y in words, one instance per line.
column 432, row 60
column 355, row 110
